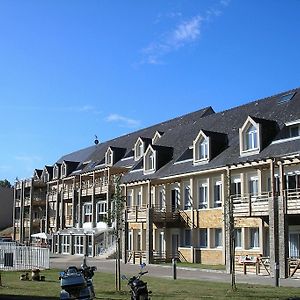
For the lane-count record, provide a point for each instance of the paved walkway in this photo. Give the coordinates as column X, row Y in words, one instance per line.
column 165, row 271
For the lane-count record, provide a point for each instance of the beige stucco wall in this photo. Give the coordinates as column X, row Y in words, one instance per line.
column 6, row 203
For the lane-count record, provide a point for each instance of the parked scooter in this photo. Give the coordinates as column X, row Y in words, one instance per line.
column 138, row 287
column 77, row 283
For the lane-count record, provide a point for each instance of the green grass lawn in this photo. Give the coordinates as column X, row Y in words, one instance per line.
column 199, row 266
column 161, row 288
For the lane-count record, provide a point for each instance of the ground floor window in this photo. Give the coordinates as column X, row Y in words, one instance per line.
column 65, row 244
column 294, row 245
column 254, row 238
column 78, row 245
column 203, row 238
column 218, row 237
column 238, row 237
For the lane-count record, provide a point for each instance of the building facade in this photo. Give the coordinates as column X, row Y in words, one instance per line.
column 182, row 180
column 6, row 201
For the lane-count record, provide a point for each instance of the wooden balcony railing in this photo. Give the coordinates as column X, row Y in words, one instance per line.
column 52, row 195
column 68, row 193
column 136, row 213
column 52, row 221
column 17, row 203
column 292, row 198
column 248, row 205
column 27, row 201
column 28, row 183
column 68, row 220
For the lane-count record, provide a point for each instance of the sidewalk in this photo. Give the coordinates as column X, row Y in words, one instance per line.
column 165, row 271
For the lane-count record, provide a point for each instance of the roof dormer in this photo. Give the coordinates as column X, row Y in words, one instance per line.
column 157, row 136
column 256, row 134
column 56, row 171
column 250, row 137
column 150, row 160
column 201, row 148
column 64, row 169
column 140, row 147
column 47, row 173
column 109, row 157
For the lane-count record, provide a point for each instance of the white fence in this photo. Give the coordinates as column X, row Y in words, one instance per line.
column 19, row 257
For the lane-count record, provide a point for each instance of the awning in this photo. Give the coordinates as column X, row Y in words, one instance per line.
column 42, row 235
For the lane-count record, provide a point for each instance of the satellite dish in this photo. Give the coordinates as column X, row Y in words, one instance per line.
column 96, row 141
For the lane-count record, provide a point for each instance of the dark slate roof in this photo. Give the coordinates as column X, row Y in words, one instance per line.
column 267, row 111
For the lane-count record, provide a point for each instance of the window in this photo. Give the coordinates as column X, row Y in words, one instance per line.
column 187, row 197
column 161, row 199
column 203, row 238
column 174, row 199
column 202, row 196
column 250, row 141
column 65, row 244
column 101, row 211
column 294, row 245
column 218, row 237
column 78, row 245
column 238, row 237
column 63, row 170
column 129, row 199
column 138, row 149
column 55, row 172
column 254, row 238
column 201, row 148
column 236, row 187
column 149, row 160
column 218, row 194
column 253, row 186
column 187, row 237
column 109, row 157
column 87, row 213
column 294, row 131
column 139, row 199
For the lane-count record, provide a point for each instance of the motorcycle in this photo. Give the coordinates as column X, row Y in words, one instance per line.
column 138, row 287
column 77, row 283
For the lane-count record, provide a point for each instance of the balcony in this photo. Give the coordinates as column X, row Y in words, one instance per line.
column 68, row 193
column 18, row 185
column 136, row 213
column 26, row 222
column 52, row 221
column 292, row 198
column 18, row 203
column 27, row 201
column 101, row 186
column 28, row 183
column 52, row 196
column 248, row 205
column 36, row 222
column 39, row 199
column 17, row 222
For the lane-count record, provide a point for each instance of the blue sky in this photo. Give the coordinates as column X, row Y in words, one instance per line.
column 71, row 69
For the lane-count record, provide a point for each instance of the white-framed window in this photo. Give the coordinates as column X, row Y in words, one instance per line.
column 129, row 199
column 161, row 199
column 138, row 149
column 138, row 201
column 78, row 244
column 63, row 169
column 253, row 238
column 218, row 237
column 101, row 211
column 187, row 197
column 253, row 186
column 203, row 195
column 236, row 187
column 109, row 157
column 294, row 245
column 87, row 212
column 65, row 244
column 174, row 199
column 161, row 243
column 149, row 160
column 45, row 176
column 55, row 172
column 218, row 194
column 203, row 237
column 201, row 147
column 294, row 131
column 238, row 237
column 250, row 137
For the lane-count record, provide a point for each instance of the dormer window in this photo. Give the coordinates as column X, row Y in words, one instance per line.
column 150, row 161
column 55, row 172
column 250, row 137
column 63, row 169
column 294, row 131
column 138, row 149
column 109, row 157
column 45, row 177
column 156, row 137
column 201, row 148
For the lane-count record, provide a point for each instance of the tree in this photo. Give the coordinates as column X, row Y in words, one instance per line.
column 115, row 217
column 5, row 183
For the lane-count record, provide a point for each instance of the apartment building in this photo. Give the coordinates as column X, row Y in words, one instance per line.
column 179, row 179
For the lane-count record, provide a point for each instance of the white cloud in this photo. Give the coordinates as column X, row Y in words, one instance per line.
column 184, row 33
column 123, row 121
column 28, row 158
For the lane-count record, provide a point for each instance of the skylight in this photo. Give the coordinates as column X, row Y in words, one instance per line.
column 285, row 98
